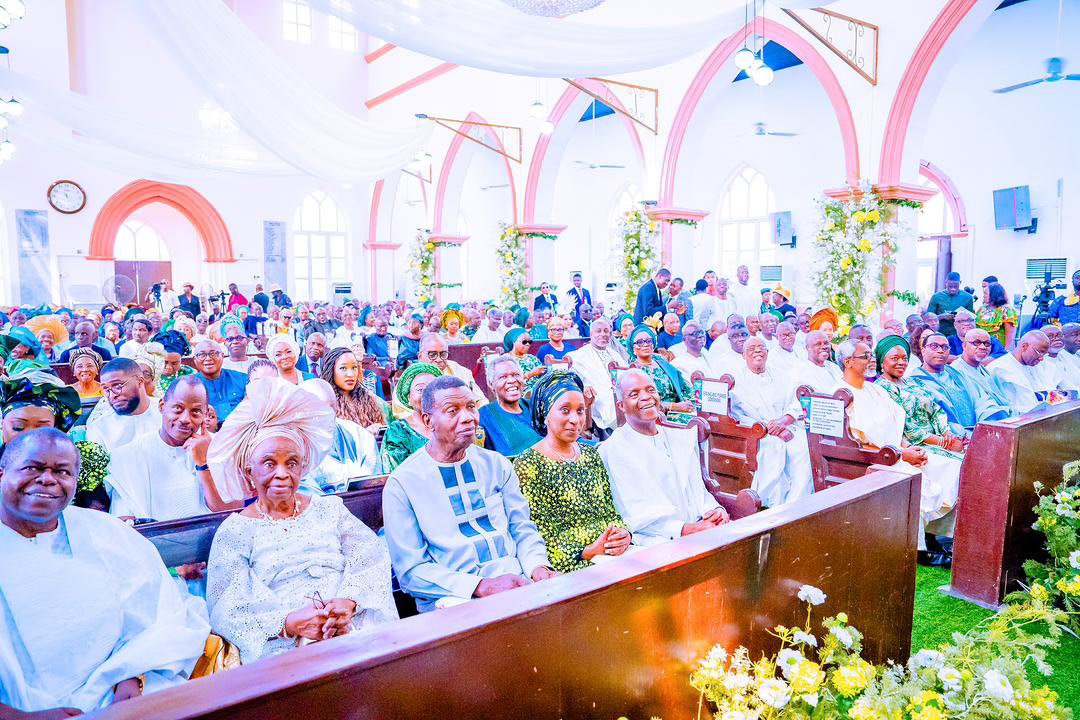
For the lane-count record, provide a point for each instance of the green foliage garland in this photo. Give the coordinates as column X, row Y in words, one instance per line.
column 637, row 232
column 684, row 221
column 905, row 296
column 422, row 267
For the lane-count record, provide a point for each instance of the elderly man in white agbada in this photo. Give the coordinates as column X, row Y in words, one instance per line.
column 136, row 634
column 1018, row 372
column 655, row 473
column 818, row 371
column 590, row 362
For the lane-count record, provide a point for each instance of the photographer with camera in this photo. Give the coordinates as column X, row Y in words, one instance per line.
column 161, row 297
column 1066, row 309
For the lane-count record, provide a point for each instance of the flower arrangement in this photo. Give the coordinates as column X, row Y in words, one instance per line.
column 982, row 675
column 93, row 467
column 422, row 266
column 855, row 245
column 513, row 263
column 637, row 232
column 1057, row 580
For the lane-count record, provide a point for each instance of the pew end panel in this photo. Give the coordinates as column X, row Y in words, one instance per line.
column 731, row 458
column 835, row 460
column 617, row 639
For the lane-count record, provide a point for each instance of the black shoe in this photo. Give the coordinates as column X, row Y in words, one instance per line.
column 936, row 559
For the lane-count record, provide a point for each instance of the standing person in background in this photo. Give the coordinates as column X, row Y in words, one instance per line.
column 747, row 300
column 579, row 296
column 235, row 298
column 703, row 306
column 649, row 299
column 1066, row 309
column 279, row 298
column 678, row 301
column 546, row 300
column 188, row 301
column 996, row 316
column 781, row 296
column 260, row 298
column 944, row 303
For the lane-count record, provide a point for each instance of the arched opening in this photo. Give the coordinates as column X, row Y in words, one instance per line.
column 744, row 230
column 320, row 242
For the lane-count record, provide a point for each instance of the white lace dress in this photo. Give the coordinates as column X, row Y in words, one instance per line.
column 261, row 570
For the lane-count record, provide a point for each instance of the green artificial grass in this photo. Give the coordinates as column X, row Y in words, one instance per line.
column 938, row 616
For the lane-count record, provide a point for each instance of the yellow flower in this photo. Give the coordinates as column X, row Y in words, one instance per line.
column 867, row 307
column 852, row 678
column 862, row 711
column 865, row 246
column 1071, row 587
column 858, row 216
column 829, row 226
column 1039, row 593
column 506, row 290
column 430, row 246
column 844, row 319
column 845, row 262
column 873, row 216
column 807, row 677
column 642, row 265
column 927, row 705
column 509, row 256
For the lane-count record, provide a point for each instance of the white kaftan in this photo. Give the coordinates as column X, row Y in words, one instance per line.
column 591, row 365
column 261, row 570
column 1021, row 382
column 111, row 431
column 149, row 479
column 85, row 607
column 656, row 481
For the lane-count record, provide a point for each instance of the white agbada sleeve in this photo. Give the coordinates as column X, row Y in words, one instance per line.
column 1017, row 381
column 592, row 370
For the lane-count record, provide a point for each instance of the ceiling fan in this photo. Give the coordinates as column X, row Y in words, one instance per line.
column 599, row 166
column 762, row 130
column 1055, row 67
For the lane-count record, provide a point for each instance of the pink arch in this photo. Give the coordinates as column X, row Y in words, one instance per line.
column 911, row 84
column 952, row 196
column 448, row 166
column 718, row 61
column 565, row 102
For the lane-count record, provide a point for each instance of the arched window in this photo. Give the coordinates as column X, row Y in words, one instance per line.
column 343, row 36
column 139, row 242
column 745, row 232
column 319, row 247
column 935, row 224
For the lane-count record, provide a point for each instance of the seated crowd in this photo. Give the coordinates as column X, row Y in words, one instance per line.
column 579, row 452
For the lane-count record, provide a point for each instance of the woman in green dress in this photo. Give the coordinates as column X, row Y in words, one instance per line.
column 996, row 316
column 675, row 393
column 518, row 343
column 925, row 423
column 566, row 483
column 406, row 436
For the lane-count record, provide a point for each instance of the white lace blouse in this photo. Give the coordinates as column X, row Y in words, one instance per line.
column 261, row 570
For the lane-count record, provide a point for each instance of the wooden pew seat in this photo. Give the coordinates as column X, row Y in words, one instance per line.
column 731, row 457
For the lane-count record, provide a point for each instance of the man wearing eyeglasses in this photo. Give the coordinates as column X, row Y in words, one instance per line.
column 127, row 412
column 964, row 405
column 689, row 354
column 224, row 388
column 972, row 365
column 1025, row 384
column 965, row 323
column 434, row 350
column 591, row 362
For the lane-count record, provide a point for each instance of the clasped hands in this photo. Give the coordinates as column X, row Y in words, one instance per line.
column 779, row 428
column 509, row 581
column 613, row 541
column 313, row 622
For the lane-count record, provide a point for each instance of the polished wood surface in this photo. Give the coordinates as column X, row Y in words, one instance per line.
column 993, row 533
column 731, row 457
column 614, row 639
column 836, row 460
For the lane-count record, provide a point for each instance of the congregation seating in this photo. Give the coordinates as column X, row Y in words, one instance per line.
column 633, row 624
column 731, row 455
column 836, row 460
column 471, row 357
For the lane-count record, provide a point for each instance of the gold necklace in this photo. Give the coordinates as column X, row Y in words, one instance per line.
column 266, row 516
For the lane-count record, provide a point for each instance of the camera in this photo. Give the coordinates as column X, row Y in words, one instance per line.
column 1043, row 296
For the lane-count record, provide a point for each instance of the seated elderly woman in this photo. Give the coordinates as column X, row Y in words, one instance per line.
column 517, row 342
column 285, row 352
column 877, row 420
column 85, row 365
column 675, row 393
column 136, row 634
column 409, row 434
column 566, row 483
column 290, row 568
column 355, row 401
column 554, row 348
column 352, row 455
column 507, row 423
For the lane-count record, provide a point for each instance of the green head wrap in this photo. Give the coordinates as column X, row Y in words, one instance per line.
column 886, row 344
column 638, row 331
column 551, row 386
column 511, row 337
column 521, row 317
column 404, row 384
column 27, row 384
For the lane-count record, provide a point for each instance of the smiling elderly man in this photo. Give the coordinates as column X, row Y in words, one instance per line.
column 1019, row 372
column 225, row 388
column 135, row 633
column 590, row 362
column 656, row 478
column 456, row 522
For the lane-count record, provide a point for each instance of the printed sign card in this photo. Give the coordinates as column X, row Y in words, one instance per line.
column 826, row 416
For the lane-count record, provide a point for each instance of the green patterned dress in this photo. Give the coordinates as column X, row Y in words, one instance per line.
column 399, row 442
column 923, row 417
column 570, row 502
column 529, row 362
column 671, row 390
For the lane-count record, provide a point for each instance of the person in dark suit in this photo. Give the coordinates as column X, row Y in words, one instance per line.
column 649, row 301
column 546, row 300
column 189, row 302
column 314, row 349
column 579, row 296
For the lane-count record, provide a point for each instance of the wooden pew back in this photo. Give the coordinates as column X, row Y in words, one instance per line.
column 617, row 639
column 740, row 502
column 835, row 460
column 732, row 450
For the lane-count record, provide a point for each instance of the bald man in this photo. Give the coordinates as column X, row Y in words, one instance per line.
column 434, row 350
column 1056, row 371
column 1025, row 385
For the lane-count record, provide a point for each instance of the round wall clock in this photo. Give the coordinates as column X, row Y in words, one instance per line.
column 67, row 196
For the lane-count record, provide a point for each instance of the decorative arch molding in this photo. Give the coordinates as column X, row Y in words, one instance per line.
column 718, row 61
column 923, row 77
column 952, row 196
column 453, row 172
column 186, row 200
column 569, row 102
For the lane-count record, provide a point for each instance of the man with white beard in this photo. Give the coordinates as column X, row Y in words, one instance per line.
column 817, row 370
column 782, row 358
column 763, row 395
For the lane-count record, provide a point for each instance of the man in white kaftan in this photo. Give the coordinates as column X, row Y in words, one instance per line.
column 725, row 355
column 818, row 371
column 782, row 359
column 783, row 459
column 1018, row 372
column 1056, row 369
column 492, row 331
column 693, row 357
column 655, row 472
column 64, row 565
column 590, row 362
column 126, row 411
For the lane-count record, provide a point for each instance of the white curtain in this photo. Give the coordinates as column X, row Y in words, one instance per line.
column 491, row 35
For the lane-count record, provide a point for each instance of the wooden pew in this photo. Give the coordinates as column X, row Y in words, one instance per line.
column 993, row 533
column 617, row 639
column 468, row 355
column 63, row 371
column 838, row 459
column 740, row 502
column 732, row 447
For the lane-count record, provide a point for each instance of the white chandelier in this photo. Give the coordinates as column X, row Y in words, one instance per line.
column 751, row 62
column 10, row 11
column 551, row 8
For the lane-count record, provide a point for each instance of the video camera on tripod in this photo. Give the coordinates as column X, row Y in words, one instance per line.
column 1043, row 296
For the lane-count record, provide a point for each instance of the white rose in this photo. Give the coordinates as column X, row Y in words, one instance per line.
column 804, row 638
column 950, row 678
column 1074, row 559
column 843, row 635
column 928, row 658
column 811, row 594
column 774, row 693
column 787, row 660
column 998, row 686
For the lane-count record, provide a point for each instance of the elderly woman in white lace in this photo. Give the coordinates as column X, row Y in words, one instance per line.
column 290, row 568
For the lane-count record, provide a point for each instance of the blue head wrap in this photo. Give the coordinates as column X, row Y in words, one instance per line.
column 551, row 386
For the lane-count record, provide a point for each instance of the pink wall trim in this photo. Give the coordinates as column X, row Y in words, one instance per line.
column 373, row 216
column 196, row 208
column 448, row 166
column 565, row 102
column 410, row 84
column 952, row 196
column 378, row 52
column 719, row 61
column 907, row 94
column 900, row 191
column 668, row 213
column 452, row 239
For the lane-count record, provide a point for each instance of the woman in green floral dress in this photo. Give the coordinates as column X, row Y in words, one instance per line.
column 566, row 483
column 675, row 394
column 996, row 316
column 518, row 343
column 406, row 436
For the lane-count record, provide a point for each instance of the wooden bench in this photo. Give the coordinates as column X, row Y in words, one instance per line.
column 836, row 460
column 731, row 457
column 617, row 639
column 740, row 502
column 470, row 356
column 993, row 533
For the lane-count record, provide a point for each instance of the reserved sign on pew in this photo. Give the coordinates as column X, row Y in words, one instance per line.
column 826, row 416
column 711, row 396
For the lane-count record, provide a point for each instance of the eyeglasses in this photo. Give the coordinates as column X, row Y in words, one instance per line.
column 207, row 354
column 978, row 343
column 696, row 333
column 864, row 356
column 643, row 342
column 437, row 355
column 115, row 388
column 935, row 346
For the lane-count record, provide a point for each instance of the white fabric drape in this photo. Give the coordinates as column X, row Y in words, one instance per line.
column 490, row 35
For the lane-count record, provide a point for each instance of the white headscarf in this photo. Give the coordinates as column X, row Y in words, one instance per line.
column 273, row 408
column 271, row 346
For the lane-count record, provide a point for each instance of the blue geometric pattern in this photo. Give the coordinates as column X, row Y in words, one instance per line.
column 473, row 522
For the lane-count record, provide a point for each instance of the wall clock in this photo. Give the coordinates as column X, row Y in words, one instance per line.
column 66, row 196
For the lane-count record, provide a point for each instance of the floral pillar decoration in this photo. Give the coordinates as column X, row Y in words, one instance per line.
column 638, row 235
column 422, row 267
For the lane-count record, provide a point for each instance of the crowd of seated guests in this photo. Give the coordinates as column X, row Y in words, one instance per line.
column 486, row 491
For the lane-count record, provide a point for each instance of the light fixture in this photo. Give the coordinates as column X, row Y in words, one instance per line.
column 11, row 107
column 538, row 110
column 762, row 75
column 744, row 58
column 7, row 149
column 547, row 127
column 15, row 8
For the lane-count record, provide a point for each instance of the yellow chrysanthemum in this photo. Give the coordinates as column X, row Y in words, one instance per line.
column 845, row 262
column 1039, row 593
column 865, row 245
column 1069, row 587
column 430, row 246
column 858, row 216
column 873, row 216
column 852, row 678
column 807, row 677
